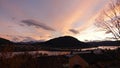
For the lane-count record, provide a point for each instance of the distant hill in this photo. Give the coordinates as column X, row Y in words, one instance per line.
column 4, row 41
column 66, row 42
column 105, row 43
column 6, row 45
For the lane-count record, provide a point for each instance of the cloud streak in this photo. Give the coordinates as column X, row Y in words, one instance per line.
column 73, row 31
column 31, row 22
column 75, row 14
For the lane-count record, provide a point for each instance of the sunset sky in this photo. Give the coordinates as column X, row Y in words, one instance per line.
column 45, row 19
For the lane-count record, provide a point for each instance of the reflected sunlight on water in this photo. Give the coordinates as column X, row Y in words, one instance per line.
column 49, row 53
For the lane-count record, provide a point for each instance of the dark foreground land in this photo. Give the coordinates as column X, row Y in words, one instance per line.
column 106, row 59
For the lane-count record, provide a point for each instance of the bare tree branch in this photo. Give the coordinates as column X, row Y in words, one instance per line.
column 109, row 19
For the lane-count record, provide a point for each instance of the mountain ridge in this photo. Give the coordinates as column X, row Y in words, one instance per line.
column 5, row 41
column 66, row 42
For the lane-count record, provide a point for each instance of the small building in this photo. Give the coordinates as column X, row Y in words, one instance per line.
column 77, row 62
column 85, row 60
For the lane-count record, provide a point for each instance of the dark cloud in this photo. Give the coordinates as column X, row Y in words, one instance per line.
column 73, row 31
column 31, row 22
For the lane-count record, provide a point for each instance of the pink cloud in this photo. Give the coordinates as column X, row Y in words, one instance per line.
column 66, row 21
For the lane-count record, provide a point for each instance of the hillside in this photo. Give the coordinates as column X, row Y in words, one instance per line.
column 66, row 42
column 105, row 43
column 5, row 41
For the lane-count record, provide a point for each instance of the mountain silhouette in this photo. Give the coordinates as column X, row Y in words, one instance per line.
column 66, row 42
column 105, row 43
column 4, row 41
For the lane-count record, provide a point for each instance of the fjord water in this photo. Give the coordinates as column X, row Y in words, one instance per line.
column 49, row 53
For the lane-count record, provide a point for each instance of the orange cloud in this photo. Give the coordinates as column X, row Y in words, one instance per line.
column 91, row 19
column 66, row 21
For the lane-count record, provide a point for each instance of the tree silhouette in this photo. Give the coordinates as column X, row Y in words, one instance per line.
column 109, row 19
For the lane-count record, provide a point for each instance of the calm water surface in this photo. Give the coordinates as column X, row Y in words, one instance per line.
column 49, row 53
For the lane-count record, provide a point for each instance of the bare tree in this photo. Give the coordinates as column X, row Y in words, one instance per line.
column 109, row 19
